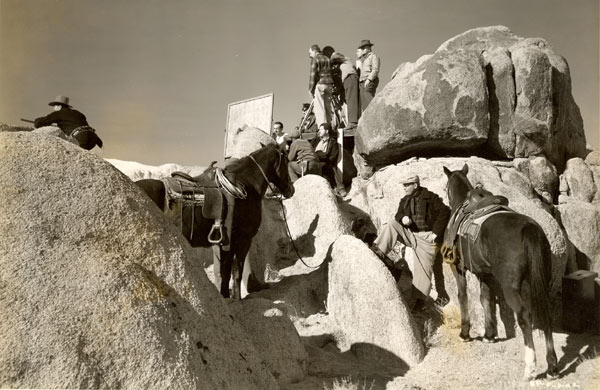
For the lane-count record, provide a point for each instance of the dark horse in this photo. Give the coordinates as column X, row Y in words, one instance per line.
column 252, row 173
column 513, row 249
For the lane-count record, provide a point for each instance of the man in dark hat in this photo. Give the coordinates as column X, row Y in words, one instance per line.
column 369, row 72
column 72, row 122
column 419, row 224
column 320, row 84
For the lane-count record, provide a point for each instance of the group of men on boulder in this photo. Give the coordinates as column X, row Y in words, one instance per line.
column 335, row 80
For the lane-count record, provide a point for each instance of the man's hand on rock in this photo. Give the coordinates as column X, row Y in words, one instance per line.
column 406, row 220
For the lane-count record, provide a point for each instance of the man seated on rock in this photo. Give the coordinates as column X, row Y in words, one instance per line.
column 302, row 158
column 419, row 224
column 327, row 149
column 280, row 137
column 72, row 122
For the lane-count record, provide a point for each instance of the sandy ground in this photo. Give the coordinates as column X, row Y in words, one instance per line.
column 449, row 363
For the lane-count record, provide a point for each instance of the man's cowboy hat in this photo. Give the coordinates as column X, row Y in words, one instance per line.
column 411, row 180
column 62, row 100
column 365, row 42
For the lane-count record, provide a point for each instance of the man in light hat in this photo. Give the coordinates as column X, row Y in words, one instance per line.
column 419, row 224
column 369, row 72
column 72, row 122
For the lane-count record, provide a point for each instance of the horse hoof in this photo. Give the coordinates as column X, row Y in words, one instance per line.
column 489, row 340
column 552, row 375
column 465, row 339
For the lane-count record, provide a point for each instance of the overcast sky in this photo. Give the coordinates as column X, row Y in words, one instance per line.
column 155, row 77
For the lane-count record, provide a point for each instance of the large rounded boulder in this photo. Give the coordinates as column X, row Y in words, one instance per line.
column 99, row 290
column 486, row 92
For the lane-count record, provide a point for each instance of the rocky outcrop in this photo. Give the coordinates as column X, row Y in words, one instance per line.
column 98, row 289
column 246, row 140
column 579, row 180
column 486, row 92
column 367, row 307
column 274, row 337
column 314, row 219
column 581, row 221
column 542, row 174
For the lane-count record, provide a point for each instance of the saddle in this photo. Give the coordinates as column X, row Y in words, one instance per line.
column 467, row 219
column 203, row 191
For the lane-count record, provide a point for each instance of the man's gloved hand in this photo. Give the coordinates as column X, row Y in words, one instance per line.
column 406, row 220
column 432, row 236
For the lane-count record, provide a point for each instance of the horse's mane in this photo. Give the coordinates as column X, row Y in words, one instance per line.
column 242, row 163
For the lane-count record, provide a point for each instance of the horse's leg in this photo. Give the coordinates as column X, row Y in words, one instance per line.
column 488, row 301
column 225, row 268
column 513, row 298
column 552, row 373
column 241, row 250
column 465, row 321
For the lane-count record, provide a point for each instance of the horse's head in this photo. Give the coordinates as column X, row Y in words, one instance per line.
column 458, row 186
column 276, row 169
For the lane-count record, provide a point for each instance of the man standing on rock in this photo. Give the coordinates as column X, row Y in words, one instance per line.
column 72, row 122
column 369, row 72
column 419, row 224
column 320, row 84
column 349, row 78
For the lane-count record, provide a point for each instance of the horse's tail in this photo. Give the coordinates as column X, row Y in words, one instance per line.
column 539, row 255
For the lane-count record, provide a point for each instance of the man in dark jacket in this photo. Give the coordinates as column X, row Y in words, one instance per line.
column 419, row 224
column 328, row 151
column 72, row 122
column 302, row 158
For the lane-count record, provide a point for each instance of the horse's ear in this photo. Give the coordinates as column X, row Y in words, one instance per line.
column 261, row 144
column 447, row 172
column 465, row 169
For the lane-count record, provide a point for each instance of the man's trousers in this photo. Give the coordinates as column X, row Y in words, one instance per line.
column 322, row 107
column 421, row 243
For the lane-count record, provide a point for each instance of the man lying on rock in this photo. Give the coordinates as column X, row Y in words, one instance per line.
column 419, row 224
column 72, row 122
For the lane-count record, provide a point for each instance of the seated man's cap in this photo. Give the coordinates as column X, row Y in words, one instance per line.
column 411, row 180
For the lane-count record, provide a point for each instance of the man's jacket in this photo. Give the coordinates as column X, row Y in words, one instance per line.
column 320, row 72
column 66, row 118
column 330, row 156
column 427, row 212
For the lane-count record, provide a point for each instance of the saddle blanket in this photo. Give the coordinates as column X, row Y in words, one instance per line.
column 179, row 190
column 471, row 226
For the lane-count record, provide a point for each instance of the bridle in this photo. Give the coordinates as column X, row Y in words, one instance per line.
column 287, row 227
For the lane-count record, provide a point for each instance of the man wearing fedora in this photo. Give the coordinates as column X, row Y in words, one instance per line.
column 419, row 223
column 320, row 84
column 72, row 122
column 369, row 72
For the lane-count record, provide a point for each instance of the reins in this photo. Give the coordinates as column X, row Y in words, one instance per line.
column 287, row 228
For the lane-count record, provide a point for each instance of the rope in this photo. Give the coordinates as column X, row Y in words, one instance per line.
column 287, row 229
column 283, row 212
column 223, row 182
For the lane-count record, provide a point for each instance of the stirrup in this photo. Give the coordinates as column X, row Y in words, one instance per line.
column 216, row 228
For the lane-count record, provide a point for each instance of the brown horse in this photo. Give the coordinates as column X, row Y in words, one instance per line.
column 253, row 174
column 512, row 249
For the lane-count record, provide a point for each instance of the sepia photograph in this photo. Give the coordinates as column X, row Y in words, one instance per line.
column 300, row 194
